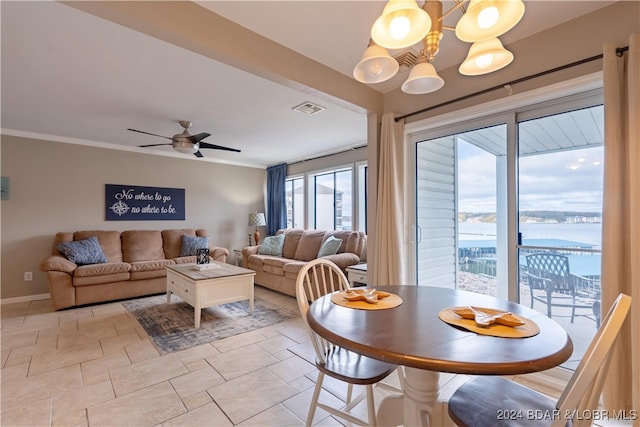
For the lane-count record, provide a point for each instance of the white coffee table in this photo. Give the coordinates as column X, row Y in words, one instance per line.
column 221, row 284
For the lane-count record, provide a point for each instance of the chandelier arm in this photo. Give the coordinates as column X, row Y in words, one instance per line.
column 446, row 27
column 459, row 5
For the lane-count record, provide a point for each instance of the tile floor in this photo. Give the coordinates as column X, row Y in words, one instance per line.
column 95, row 366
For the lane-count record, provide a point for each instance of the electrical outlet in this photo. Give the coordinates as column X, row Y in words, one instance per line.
column 28, row 276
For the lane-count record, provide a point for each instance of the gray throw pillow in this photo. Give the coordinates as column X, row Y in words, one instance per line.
column 329, row 247
column 82, row 252
column 272, row 245
column 191, row 244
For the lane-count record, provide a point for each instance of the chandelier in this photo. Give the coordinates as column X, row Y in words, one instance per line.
column 403, row 24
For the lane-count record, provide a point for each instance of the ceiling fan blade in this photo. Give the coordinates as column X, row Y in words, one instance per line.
column 148, row 133
column 198, row 154
column 199, row 137
column 217, row 147
column 152, row 145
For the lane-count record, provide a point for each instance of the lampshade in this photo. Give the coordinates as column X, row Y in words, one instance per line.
column 257, row 219
column 485, row 57
column 376, row 65
column 422, row 78
column 486, row 19
column 402, row 24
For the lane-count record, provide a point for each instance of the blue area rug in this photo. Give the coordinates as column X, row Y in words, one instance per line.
column 171, row 328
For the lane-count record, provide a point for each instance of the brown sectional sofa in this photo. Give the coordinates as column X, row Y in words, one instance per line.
column 135, row 265
column 301, row 246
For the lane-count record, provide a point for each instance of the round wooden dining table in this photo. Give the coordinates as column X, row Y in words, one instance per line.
column 411, row 334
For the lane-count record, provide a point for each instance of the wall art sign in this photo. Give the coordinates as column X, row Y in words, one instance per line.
column 135, row 203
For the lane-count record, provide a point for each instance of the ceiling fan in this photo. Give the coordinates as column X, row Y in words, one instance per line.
column 185, row 142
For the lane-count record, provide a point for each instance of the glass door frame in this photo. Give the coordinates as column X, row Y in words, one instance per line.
column 580, row 93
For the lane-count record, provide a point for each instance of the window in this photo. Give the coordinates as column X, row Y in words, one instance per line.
column 332, row 193
column 295, row 202
column 330, row 199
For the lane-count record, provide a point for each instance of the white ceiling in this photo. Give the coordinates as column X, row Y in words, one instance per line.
column 73, row 77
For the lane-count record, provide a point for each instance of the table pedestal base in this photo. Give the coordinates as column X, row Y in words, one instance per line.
column 418, row 406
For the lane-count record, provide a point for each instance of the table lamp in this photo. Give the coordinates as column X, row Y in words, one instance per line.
column 257, row 219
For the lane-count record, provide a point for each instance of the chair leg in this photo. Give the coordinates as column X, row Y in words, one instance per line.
column 549, row 305
column 349, row 393
column 314, row 399
column 371, row 406
column 531, row 293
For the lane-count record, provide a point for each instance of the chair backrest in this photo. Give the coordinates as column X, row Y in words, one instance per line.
column 552, row 266
column 318, row 278
column 582, row 393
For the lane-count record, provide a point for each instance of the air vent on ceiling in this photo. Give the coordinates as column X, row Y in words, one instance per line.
column 406, row 59
column 309, row 108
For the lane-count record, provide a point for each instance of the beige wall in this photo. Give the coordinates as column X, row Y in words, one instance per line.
column 60, row 187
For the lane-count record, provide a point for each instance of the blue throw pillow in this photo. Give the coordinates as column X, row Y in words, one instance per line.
column 272, row 245
column 191, row 244
column 82, row 252
column 330, row 247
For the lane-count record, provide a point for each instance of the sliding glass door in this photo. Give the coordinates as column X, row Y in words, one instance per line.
column 461, row 212
column 559, row 219
column 513, row 209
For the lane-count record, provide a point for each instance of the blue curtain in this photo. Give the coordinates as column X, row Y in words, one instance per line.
column 276, row 198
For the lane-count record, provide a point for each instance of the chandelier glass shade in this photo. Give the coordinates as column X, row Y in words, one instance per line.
column 404, row 24
column 485, row 57
column 376, row 65
column 422, row 78
column 486, row 19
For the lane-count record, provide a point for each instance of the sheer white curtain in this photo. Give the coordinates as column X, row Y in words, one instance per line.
column 387, row 258
column 621, row 216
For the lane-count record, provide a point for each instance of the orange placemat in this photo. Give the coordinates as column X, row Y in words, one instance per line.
column 391, row 301
column 529, row 328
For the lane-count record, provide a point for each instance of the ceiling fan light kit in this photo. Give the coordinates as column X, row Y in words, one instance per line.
column 400, row 26
column 186, row 143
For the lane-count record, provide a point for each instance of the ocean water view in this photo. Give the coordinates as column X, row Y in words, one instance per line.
column 589, row 233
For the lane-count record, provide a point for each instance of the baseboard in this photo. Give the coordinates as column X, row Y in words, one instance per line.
column 24, row 299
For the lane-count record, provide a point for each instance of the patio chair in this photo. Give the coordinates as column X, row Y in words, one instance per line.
column 552, row 283
column 317, row 278
column 498, row 402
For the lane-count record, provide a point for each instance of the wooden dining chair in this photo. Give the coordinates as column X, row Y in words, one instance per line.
column 320, row 277
column 495, row 401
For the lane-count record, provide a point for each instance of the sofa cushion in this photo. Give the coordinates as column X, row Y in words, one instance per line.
column 192, row 244
column 291, row 239
column 350, row 240
column 172, row 241
column 109, row 242
column 309, row 245
column 292, row 268
column 142, row 245
column 149, row 269
column 272, row 245
column 256, row 260
column 82, row 252
column 329, row 247
column 96, row 274
column 102, row 269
